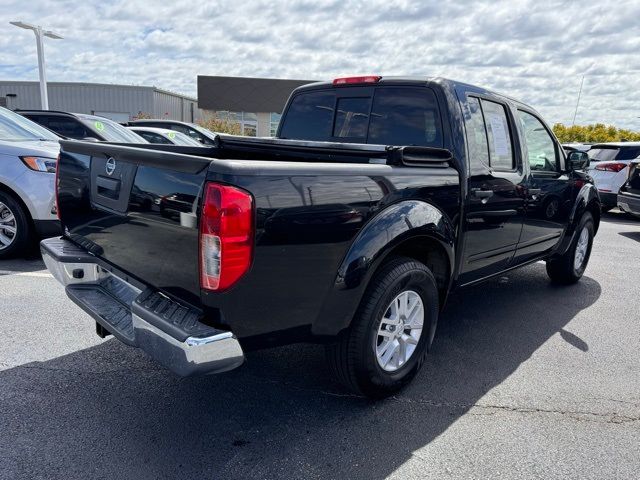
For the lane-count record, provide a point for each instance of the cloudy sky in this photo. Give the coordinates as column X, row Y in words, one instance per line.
column 536, row 51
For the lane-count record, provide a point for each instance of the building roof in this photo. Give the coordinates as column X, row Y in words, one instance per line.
column 243, row 94
column 9, row 83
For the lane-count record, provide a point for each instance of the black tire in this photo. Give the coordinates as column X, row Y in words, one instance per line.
column 561, row 269
column 353, row 358
column 22, row 225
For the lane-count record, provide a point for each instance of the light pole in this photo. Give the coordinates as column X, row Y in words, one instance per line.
column 37, row 29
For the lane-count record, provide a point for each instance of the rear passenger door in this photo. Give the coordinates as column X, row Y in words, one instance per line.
column 494, row 210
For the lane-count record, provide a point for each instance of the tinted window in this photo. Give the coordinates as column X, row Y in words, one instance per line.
column 476, row 133
column 500, row 151
column 628, row 153
column 405, row 116
column 605, row 154
column 69, row 127
column 352, row 118
column 541, row 147
column 310, row 116
column 153, row 137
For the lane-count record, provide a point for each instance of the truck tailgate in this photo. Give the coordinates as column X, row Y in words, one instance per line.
column 136, row 209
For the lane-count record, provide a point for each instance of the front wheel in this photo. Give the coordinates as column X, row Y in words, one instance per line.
column 14, row 227
column 386, row 344
column 569, row 267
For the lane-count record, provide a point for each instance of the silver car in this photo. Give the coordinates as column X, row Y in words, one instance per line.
column 28, row 158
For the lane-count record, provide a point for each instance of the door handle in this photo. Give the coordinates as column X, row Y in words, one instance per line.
column 479, row 193
column 535, row 191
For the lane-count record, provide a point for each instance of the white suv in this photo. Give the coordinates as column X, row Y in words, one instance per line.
column 28, row 160
column 610, row 167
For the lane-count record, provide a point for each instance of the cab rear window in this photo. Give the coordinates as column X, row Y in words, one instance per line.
column 391, row 116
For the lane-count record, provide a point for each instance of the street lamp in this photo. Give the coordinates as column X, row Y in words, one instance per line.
column 37, row 29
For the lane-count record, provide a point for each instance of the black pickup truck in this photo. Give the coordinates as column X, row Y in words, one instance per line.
column 379, row 197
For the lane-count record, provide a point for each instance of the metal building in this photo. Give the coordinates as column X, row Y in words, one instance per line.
column 254, row 103
column 117, row 102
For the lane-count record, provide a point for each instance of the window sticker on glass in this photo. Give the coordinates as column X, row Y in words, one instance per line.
column 500, row 139
column 171, row 135
column 99, row 126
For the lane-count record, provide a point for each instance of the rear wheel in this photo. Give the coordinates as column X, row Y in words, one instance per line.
column 14, row 227
column 386, row 344
column 569, row 267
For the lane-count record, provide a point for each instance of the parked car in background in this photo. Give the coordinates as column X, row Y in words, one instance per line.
column 81, row 126
column 192, row 130
column 28, row 158
column 165, row 136
column 629, row 195
column 608, row 167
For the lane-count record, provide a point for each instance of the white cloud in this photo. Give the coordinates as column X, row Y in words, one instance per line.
column 536, row 51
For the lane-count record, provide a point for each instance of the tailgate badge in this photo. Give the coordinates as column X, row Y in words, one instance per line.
column 110, row 166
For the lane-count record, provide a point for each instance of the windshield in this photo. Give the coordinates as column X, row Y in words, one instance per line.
column 179, row 138
column 110, row 130
column 205, row 131
column 16, row 128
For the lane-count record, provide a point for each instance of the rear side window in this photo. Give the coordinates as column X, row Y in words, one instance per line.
column 405, row 116
column 488, row 134
column 628, row 153
column 67, row 127
column 310, row 116
column 153, row 137
column 500, row 152
column 476, row 133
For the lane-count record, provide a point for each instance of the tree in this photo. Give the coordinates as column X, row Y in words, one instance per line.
column 595, row 133
column 221, row 126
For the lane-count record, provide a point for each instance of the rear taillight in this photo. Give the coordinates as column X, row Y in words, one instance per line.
column 350, row 80
column 226, row 236
column 610, row 166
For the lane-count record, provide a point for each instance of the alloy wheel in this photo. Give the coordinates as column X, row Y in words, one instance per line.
column 399, row 331
column 8, row 226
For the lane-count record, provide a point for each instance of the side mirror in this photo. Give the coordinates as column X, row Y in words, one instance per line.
column 578, row 160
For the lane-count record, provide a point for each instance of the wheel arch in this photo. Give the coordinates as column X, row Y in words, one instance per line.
column 587, row 200
column 411, row 228
column 18, row 198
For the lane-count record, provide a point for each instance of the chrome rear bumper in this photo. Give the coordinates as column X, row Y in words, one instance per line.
column 169, row 331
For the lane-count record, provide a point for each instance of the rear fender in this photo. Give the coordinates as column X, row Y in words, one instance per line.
column 387, row 231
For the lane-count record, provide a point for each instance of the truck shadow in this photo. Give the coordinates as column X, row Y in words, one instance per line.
column 109, row 412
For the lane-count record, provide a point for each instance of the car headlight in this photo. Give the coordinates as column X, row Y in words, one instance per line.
column 40, row 164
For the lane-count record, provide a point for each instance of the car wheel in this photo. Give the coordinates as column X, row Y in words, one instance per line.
column 14, row 227
column 552, row 208
column 387, row 342
column 569, row 267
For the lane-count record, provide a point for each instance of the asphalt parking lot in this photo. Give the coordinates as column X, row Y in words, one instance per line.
column 524, row 380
